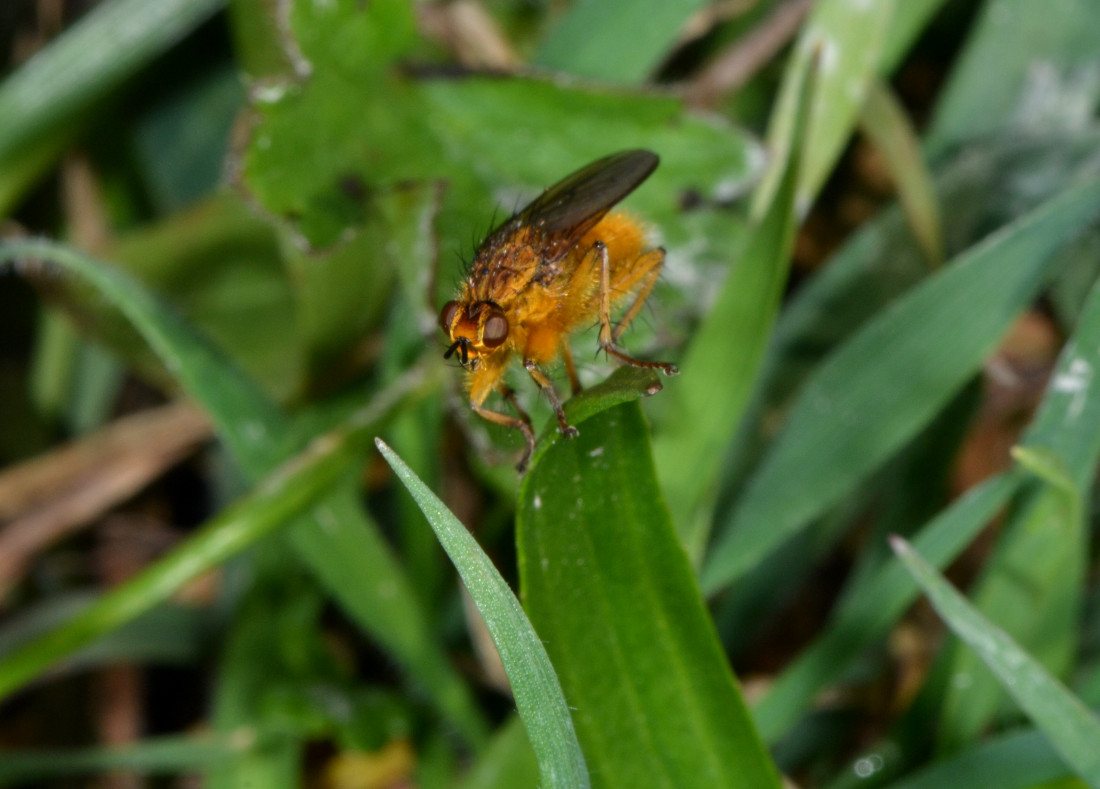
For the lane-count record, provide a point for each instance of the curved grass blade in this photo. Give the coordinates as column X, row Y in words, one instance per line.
column 611, row 591
column 1069, row 725
column 535, row 686
column 877, row 390
column 1010, row 39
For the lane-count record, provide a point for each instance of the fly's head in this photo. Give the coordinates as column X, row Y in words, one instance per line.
column 475, row 329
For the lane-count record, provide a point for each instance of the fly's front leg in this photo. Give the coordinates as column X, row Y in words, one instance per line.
column 648, row 268
column 546, row 386
column 522, row 423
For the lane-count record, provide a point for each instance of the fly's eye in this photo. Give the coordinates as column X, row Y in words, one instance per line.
column 447, row 316
column 495, row 331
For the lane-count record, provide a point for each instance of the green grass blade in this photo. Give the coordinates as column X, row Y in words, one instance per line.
column 1019, row 760
column 535, row 686
column 508, row 761
column 721, row 366
column 847, row 40
column 1033, row 587
column 1036, row 51
column 873, row 607
column 277, row 500
column 877, row 390
column 66, row 78
column 152, row 756
column 245, row 418
column 883, row 119
column 612, row 593
column 1069, row 725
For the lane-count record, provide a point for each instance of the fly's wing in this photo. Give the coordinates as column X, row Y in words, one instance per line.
column 570, row 208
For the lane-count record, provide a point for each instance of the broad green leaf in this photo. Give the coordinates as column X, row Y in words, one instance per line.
column 154, row 756
column 872, row 607
column 1026, row 68
column 1069, row 725
column 535, row 686
column 876, row 391
column 335, row 538
column 62, row 82
column 611, row 592
column 615, row 40
column 846, row 39
column 1034, row 583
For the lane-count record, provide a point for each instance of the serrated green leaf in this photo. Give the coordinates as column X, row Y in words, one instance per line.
column 534, row 684
column 1069, row 725
column 610, row 590
column 881, row 386
column 328, row 147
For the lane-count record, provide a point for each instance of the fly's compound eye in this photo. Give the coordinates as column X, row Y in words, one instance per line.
column 495, row 331
column 447, row 316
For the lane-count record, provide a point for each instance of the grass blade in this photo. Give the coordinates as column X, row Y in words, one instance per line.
column 153, row 756
column 535, row 686
column 877, row 390
column 1072, row 729
column 66, row 78
column 1035, row 583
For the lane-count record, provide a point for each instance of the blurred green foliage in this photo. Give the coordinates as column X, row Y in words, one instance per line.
column 259, row 207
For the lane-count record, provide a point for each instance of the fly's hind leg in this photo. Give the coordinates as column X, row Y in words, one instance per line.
column 648, row 268
column 522, row 423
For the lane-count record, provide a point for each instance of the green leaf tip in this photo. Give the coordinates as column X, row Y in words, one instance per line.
column 535, row 685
